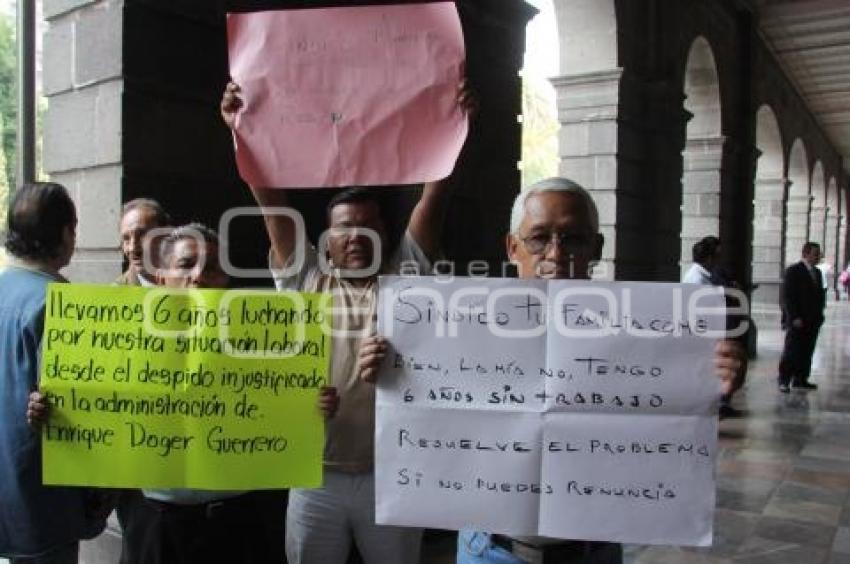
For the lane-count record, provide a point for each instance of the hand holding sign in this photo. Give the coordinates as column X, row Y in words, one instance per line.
column 37, row 409
column 231, row 103
column 373, row 350
column 558, row 408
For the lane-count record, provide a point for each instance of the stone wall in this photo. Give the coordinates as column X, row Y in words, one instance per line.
column 83, row 82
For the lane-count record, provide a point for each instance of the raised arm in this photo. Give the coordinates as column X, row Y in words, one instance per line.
column 280, row 229
column 428, row 217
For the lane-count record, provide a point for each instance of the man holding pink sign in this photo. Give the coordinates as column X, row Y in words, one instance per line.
column 343, row 97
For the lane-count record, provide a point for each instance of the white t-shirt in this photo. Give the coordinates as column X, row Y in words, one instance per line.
column 697, row 275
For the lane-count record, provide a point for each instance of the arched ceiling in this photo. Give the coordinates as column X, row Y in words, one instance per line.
column 811, row 40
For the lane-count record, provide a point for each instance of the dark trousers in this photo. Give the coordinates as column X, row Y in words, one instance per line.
column 796, row 362
column 247, row 528
column 68, row 554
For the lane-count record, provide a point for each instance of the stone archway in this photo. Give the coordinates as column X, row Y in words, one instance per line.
column 817, row 217
column 797, row 225
column 703, row 152
column 768, row 207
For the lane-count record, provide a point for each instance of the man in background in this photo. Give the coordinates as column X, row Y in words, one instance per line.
column 706, row 257
column 802, row 298
column 38, row 524
column 138, row 218
column 706, row 270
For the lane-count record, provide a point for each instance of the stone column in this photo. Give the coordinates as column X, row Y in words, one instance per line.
column 841, row 257
column 82, row 80
column 796, row 226
column 817, row 228
column 653, row 138
column 830, row 249
column 768, row 216
column 590, row 114
column 588, row 111
column 701, row 162
column 842, row 242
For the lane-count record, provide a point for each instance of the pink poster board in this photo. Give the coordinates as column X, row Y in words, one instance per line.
column 348, row 96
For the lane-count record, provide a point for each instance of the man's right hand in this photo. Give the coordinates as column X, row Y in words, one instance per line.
column 373, row 350
column 797, row 323
column 231, row 103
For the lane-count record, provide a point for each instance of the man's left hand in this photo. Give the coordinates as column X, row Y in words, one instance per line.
column 466, row 99
column 729, row 358
column 328, row 401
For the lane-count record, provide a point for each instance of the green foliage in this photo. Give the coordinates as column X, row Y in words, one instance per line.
column 539, row 133
column 40, row 110
column 8, row 96
column 4, row 186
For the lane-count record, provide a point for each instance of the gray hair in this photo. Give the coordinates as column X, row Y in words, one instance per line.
column 160, row 215
column 193, row 231
column 553, row 184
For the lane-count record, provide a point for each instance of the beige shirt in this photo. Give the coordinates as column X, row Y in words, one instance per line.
column 350, row 434
column 129, row 278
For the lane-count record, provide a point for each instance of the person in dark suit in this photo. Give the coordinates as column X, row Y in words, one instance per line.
column 803, row 299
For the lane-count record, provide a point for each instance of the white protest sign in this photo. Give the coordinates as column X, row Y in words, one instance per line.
column 569, row 409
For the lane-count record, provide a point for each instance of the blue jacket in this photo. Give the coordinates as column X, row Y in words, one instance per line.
column 33, row 518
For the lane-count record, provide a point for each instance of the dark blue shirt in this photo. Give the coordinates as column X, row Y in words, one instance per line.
column 33, row 518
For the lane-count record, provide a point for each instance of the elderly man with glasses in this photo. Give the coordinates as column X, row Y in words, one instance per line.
column 554, row 234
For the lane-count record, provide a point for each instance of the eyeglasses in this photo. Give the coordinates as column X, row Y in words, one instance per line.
column 540, row 243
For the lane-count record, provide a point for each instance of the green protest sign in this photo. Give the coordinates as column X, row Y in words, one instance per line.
column 207, row 389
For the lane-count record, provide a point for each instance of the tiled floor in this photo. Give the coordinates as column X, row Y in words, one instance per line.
column 783, row 473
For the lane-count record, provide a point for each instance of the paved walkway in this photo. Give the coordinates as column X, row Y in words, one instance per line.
column 783, row 474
